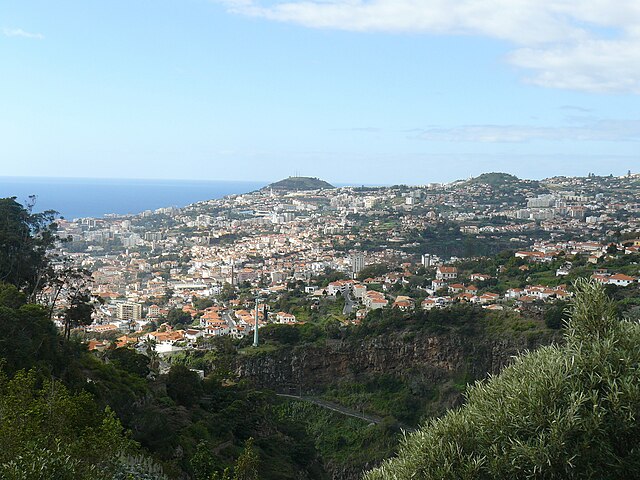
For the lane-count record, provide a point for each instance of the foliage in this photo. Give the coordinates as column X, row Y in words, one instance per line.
column 555, row 314
column 228, row 292
column 346, row 442
column 178, row 317
column 128, row 360
column 285, row 334
column 25, row 238
column 299, row 183
column 183, row 385
column 48, row 432
column 28, row 336
column 561, row 412
column 248, row 463
column 383, row 395
column 373, row 271
column 200, row 303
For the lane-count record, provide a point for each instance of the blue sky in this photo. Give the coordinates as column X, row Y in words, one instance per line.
column 362, row 91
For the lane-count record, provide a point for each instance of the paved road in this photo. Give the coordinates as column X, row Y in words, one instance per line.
column 228, row 317
column 348, row 303
column 335, row 407
column 344, row 410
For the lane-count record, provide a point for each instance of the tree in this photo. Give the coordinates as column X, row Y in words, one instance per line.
column 28, row 336
column 183, row 385
column 25, row 239
column 154, row 359
column 612, row 249
column 129, row 360
column 177, row 316
column 555, row 314
column 80, row 306
column 228, row 292
column 246, row 467
column 561, row 412
column 48, row 432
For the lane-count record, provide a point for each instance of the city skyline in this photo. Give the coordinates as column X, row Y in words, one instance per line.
column 382, row 92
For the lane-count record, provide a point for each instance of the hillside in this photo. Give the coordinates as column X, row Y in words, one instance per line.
column 561, row 412
column 495, row 179
column 509, row 186
column 299, row 183
column 403, row 368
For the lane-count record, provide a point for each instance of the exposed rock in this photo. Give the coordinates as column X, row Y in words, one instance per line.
column 428, row 359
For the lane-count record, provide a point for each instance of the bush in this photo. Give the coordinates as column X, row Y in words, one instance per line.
column 562, row 412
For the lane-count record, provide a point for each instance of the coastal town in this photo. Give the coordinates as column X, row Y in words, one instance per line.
column 300, row 250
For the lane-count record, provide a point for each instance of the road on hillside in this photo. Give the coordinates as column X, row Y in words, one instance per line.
column 335, row 407
column 348, row 303
column 227, row 317
column 344, row 410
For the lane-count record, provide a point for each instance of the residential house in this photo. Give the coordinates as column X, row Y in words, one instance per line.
column 374, row 300
column 404, row 303
column 446, row 273
column 285, row 318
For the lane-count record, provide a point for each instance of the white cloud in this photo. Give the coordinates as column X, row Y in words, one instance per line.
column 591, row 45
column 599, row 130
column 18, row 32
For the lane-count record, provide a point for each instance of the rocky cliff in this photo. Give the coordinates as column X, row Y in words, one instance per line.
column 425, row 363
column 428, row 359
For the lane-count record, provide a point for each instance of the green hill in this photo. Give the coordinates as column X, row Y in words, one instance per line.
column 299, row 183
column 495, row 179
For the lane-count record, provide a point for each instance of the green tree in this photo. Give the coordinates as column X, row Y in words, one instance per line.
column 555, row 314
column 78, row 312
column 178, row 317
column 183, row 385
column 151, row 353
column 48, row 432
column 248, row 463
column 28, row 336
column 128, row 360
column 228, row 292
column 25, row 239
column 561, row 412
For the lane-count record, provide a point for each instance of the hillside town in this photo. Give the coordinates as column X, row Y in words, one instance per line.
column 175, row 277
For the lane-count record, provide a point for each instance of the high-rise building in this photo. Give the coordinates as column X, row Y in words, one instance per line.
column 129, row 311
column 541, row 201
column 357, row 263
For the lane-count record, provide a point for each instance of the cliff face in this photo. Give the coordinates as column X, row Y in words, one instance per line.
column 432, row 359
column 425, row 363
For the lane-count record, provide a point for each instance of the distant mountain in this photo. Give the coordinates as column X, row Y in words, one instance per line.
column 495, row 179
column 299, row 183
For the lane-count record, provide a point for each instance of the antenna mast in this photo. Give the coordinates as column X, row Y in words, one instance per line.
column 255, row 329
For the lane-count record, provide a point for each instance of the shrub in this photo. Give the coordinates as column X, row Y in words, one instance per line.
column 564, row 412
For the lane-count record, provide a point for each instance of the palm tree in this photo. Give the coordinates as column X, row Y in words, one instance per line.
column 154, row 359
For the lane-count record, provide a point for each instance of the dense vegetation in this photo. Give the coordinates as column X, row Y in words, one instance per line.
column 299, row 183
column 561, row 412
column 66, row 413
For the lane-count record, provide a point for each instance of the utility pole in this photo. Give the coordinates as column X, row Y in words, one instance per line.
column 255, row 328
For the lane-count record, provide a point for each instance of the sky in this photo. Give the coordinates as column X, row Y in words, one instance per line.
column 351, row 91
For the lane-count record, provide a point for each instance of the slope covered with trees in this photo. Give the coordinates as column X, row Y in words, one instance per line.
column 66, row 413
column 560, row 412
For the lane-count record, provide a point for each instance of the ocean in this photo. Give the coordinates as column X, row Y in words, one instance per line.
column 93, row 197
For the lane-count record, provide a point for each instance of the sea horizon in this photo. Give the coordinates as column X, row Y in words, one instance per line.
column 74, row 197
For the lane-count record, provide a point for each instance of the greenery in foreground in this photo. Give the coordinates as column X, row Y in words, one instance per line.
column 66, row 413
column 343, row 441
column 561, row 412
